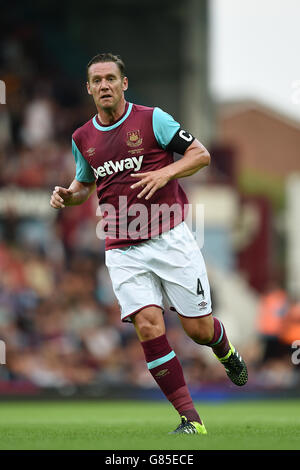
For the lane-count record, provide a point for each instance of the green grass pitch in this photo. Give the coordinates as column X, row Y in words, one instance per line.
column 80, row 425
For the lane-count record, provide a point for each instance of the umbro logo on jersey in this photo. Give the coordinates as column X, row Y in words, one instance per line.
column 91, row 151
column 110, row 167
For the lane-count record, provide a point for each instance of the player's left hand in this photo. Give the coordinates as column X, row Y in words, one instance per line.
column 151, row 181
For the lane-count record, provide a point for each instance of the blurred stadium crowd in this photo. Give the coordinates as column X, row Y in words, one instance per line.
column 58, row 315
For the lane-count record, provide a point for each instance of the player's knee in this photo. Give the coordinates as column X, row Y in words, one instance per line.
column 149, row 324
column 148, row 330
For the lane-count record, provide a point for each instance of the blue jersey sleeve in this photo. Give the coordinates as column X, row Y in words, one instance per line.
column 164, row 127
column 84, row 172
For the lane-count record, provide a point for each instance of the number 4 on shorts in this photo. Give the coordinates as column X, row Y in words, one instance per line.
column 199, row 288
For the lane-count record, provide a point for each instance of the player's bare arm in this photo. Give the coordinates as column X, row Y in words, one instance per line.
column 195, row 157
column 76, row 194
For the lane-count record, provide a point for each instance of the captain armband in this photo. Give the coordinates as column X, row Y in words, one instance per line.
column 180, row 142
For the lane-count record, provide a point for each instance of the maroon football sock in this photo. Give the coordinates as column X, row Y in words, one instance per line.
column 219, row 343
column 167, row 372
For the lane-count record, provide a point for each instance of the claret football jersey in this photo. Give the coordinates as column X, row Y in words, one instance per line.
column 136, row 143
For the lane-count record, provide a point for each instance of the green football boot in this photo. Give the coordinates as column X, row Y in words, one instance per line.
column 235, row 366
column 189, row 427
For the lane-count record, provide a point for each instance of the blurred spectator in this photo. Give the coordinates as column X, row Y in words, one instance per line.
column 38, row 126
column 5, row 129
column 273, row 307
column 290, row 328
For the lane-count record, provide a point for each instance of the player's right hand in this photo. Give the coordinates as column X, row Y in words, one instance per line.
column 60, row 197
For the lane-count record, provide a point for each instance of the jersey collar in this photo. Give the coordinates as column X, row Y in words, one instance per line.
column 116, row 124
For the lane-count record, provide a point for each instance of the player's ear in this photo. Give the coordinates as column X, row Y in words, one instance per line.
column 125, row 83
column 88, row 88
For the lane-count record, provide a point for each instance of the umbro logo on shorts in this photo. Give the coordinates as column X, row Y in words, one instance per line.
column 202, row 305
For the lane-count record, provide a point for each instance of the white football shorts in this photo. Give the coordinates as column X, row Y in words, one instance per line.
column 167, row 271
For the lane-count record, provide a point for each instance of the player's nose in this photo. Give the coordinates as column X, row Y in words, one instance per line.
column 104, row 85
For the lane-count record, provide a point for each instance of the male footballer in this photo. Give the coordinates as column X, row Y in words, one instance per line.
column 126, row 152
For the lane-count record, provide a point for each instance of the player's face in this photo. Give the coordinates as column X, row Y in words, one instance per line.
column 106, row 85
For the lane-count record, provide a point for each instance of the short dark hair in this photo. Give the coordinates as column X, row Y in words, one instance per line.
column 107, row 57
